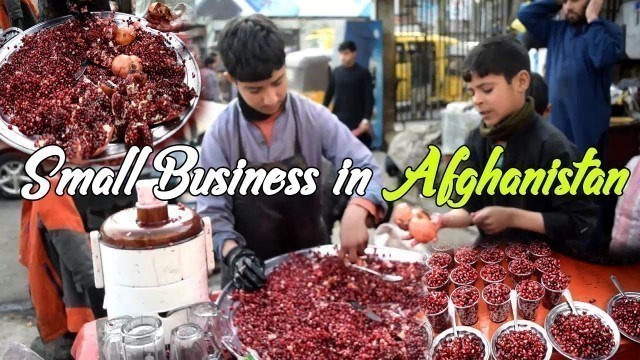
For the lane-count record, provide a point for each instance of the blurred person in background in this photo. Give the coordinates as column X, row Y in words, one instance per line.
column 351, row 90
column 55, row 249
column 21, row 14
column 210, row 82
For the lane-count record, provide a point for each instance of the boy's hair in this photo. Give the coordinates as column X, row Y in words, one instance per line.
column 500, row 55
column 210, row 60
column 251, row 47
column 347, row 45
column 539, row 91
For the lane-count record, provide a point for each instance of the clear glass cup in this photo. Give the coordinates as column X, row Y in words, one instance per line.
column 444, row 287
column 113, row 347
column 497, row 312
column 143, row 339
column 207, row 317
column 468, row 314
column 528, row 308
column 188, row 343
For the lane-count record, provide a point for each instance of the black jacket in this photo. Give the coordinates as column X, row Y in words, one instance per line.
column 569, row 220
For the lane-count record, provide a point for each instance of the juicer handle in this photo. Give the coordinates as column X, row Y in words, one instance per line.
column 208, row 240
column 98, row 276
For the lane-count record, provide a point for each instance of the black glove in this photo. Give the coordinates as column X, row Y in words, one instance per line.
column 247, row 271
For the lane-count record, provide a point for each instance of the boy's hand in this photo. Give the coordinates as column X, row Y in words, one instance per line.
column 493, row 219
column 354, row 235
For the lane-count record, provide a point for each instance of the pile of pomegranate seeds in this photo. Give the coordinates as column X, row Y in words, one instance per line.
column 466, row 256
column 434, row 302
column 492, row 255
column 530, row 290
column 557, row 281
column 464, row 275
column 520, row 345
column 436, row 277
column 521, row 267
column 439, row 260
column 547, row 265
column 465, row 296
column 517, row 251
column 626, row 313
column 302, row 311
column 493, row 273
column 463, row 347
column 39, row 94
column 540, row 249
column 496, row 293
column 582, row 336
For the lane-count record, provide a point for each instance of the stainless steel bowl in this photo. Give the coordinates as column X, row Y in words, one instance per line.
column 617, row 297
column 159, row 133
column 226, row 304
column 563, row 308
column 522, row 325
column 462, row 330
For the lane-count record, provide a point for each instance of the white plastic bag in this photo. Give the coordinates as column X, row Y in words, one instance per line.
column 458, row 119
column 16, row 351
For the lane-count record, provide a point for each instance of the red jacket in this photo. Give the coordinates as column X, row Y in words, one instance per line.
column 55, row 250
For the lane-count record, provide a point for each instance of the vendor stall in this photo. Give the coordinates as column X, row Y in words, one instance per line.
column 590, row 286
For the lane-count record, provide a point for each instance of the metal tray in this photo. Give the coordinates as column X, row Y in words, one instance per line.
column 461, row 331
column 159, row 133
column 563, row 308
column 226, row 304
column 617, row 297
column 522, row 325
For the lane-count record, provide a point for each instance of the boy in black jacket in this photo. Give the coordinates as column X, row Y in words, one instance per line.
column 498, row 77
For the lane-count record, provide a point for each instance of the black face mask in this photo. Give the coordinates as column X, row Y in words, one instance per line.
column 250, row 113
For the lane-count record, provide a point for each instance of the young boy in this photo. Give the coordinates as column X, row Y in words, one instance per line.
column 497, row 75
column 270, row 127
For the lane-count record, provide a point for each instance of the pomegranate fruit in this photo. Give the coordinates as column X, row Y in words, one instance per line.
column 440, row 260
column 125, row 35
column 402, row 215
column 464, row 275
column 422, row 229
column 493, row 273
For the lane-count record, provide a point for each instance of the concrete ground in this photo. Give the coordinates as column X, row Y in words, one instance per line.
column 17, row 322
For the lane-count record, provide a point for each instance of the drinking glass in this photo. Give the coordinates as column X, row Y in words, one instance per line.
column 113, row 348
column 143, row 339
column 188, row 343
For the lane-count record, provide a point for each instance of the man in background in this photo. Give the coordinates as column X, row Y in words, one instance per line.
column 209, row 76
column 350, row 86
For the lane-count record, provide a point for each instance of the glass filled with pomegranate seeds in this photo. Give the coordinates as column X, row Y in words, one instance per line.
column 436, row 279
column 434, row 306
column 546, row 265
column 492, row 274
column 463, row 275
column 467, row 256
column 496, row 296
column 516, row 251
column 554, row 284
column 590, row 333
column 440, row 260
column 529, row 295
column 625, row 311
column 470, row 344
column 520, row 270
column 529, row 342
column 539, row 249
column 465, row 300
column 492, row 256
